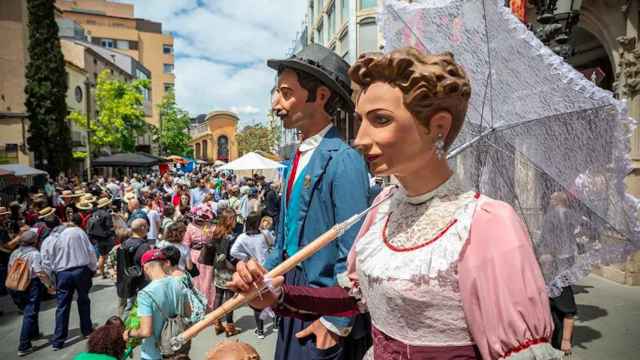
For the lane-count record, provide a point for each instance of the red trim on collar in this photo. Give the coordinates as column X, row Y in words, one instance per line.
column 397, row 249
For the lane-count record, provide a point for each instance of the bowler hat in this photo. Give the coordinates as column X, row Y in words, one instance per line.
column 325, row 65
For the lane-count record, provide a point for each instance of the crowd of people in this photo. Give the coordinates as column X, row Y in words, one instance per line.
column 170, row 243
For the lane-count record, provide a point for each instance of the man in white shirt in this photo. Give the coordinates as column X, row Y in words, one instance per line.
column 68, row 253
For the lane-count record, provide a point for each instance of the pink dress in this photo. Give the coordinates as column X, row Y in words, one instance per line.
column 447, row 275
column 195, row 238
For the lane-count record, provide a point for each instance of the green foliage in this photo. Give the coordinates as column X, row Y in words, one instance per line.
column 121, row 114
column 46, row 88
column 174, row 134
column 260, row 137
column 79, row 155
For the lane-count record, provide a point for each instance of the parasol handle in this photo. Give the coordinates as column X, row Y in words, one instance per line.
column 240, row 299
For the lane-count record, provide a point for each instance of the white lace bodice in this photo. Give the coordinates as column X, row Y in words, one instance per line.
column 407, row 266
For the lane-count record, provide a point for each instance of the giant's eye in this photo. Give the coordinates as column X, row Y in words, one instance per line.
column 381, row 119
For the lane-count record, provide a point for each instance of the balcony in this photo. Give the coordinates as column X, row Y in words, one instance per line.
column 198, row 130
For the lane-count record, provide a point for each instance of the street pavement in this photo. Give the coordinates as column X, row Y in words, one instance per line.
column 607, row 327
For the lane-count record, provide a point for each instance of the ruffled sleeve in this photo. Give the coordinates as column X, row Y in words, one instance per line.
column 503, row 293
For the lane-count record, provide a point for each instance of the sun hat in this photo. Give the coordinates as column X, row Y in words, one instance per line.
column 103, row 202
column 4, row 211
column 83, row 205
column 48, row 211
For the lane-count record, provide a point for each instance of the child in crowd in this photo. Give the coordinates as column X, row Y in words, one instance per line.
column 252, row 244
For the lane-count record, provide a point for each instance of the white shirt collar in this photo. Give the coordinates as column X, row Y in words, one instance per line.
column 315, row 140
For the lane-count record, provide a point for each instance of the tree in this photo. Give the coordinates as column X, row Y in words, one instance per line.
column 121, row 114
column 49, row 133
column 259, row 137
column 174, row 132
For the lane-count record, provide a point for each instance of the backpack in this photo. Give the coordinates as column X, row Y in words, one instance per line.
column 172, row 327
column 19, row 275
column 95, row 225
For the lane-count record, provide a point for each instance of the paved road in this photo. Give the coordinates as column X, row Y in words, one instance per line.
column 607, row 328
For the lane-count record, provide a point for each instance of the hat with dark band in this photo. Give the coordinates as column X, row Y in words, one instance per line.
column 323, row 64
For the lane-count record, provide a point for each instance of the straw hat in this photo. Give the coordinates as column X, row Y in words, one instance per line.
column 78, row 193
column 38, row 196
column 48, row 211
column 129, row 196
column 83, row 205
column 4, row 211
column 88, row 198
column 103, row 202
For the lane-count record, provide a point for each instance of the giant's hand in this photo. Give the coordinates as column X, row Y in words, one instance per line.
column 249, row 276
column 325, row 339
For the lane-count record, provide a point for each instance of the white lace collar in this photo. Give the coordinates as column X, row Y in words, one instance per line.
column 448, row 188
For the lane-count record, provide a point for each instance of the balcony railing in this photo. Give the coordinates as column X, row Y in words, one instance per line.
column 199, row 129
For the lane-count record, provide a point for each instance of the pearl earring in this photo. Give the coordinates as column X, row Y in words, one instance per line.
column 439, row 145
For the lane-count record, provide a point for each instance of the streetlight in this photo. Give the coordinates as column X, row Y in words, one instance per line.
column 87, row 86
column 557, row 19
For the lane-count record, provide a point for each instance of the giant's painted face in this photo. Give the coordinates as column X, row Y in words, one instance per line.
column 391, row 139
column 290, row 101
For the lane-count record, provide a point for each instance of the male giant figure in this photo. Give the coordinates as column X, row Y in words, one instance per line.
column 325, row 184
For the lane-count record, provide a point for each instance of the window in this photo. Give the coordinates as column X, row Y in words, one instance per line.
column 91, row 22
column 122, row 44
column 367, row 36
column 168, row 87
column 332, row 20
column 9, row 153
column 108, row 43
column 168, row 68
column 344, row 11
column 78, row 94
column 133, row 45
column 167, row 49
column 344, row 43
column 320, row 36
column 366, row 4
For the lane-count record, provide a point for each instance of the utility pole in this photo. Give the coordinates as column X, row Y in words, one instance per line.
column 87, row 86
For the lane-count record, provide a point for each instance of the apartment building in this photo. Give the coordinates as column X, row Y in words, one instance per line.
column 113, row 26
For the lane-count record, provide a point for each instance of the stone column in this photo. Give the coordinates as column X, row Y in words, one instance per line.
column 628, row 87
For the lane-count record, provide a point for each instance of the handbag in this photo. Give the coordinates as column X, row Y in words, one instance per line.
column 19, row 276
column 207, row 253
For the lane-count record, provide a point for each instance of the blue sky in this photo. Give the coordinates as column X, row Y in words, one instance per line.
column 221, row 49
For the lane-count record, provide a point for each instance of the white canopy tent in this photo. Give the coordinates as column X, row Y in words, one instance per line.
column 251, row 161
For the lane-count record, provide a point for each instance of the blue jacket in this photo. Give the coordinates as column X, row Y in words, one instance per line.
column 336, row 187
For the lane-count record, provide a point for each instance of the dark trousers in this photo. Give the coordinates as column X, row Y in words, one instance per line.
column 67, row 283
column 259, row 322
column 29, row 302
column 289, row 347
column 222, row 295
column 3, row 277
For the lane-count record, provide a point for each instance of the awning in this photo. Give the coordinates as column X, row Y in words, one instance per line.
column 22, row 170
column 128, row 160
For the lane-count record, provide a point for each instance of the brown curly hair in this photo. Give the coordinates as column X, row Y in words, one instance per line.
column 429, row 83
column 107, row 340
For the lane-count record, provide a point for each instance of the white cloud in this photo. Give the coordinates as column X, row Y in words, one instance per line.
column 222, row 47
column 248, row 109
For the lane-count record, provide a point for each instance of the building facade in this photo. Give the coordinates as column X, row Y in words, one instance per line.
column 13, row 60
column 213, row 137
column 113, row 26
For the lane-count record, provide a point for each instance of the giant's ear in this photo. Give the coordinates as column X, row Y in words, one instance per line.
column 322, row 95
column 440, row 124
